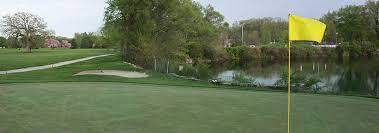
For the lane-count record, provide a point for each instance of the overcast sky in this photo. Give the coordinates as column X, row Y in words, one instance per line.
column 66, row 17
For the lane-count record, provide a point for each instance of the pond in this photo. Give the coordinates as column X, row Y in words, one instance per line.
column 337, row 76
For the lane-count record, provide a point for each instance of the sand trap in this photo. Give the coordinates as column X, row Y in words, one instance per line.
column 119, row 73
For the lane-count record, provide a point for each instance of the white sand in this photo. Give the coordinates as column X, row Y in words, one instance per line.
column 119, row 73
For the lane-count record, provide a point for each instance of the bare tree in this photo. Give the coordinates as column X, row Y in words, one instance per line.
column 25, row 26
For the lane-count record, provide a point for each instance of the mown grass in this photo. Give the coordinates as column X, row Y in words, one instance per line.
column 14, row 58
column 53, row 100
column 114, row 62
column 123, row 107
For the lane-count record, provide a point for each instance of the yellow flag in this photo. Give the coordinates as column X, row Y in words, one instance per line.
column 305, row 29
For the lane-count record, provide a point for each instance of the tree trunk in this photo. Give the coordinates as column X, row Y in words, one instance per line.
column 124, row 52
column 376, row 86
column 377, row 23
column 28, row 45
column 28, row 49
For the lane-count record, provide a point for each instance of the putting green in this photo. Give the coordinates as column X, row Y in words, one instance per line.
column 122, row 107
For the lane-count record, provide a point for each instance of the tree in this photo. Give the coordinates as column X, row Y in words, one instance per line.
column 77, row 40
column 3, row 41
column 373, row 17
column 85, row 40
column 52, row 43
column 213, row 17
column 162, row 28
column 260, row 31
column 352, row 24
column 65, row 44
column 27, row 27
column 12, row 42
column 330, row 19
column 266, row 33
column 74, row 44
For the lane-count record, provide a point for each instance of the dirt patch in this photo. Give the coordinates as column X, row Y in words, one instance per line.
column 119, row 73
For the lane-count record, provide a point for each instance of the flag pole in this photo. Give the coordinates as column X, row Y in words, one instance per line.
column 289, row 88
column 289, row 82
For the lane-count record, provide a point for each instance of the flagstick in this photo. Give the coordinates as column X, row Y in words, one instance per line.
column 289, row 88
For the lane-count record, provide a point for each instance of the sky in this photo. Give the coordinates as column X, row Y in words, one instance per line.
column 67, row 17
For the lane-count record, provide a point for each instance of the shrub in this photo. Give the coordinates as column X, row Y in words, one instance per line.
column 356, row 49
column 199, row 71
column 274, row 51
column 243, row 54
column 310, row 83
column 242, row 78
column 297, row 80
column 202, row 71
column 188, row 70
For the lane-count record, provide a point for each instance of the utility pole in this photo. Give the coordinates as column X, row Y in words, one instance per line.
column 242, row 25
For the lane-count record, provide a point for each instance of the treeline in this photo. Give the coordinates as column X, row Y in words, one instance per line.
column 90, row 40
column 43, row 42
column 244, row 54
column 183, row 30
column 353, row 23
column 80, row 40
column 355, row 28
column 259, row 31
column 348, row 24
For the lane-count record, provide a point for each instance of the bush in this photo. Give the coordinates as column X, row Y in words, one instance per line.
column 203, row 71
column 356, row 49
column 311, row 84
column 199, row 53
column 274, row 51
column 188, row 70
column 200, row 71
column 299, row 82
column 243, row 54
column 3, row 41
column 242, row 78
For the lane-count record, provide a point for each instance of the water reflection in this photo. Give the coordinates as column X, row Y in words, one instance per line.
column 358, row 76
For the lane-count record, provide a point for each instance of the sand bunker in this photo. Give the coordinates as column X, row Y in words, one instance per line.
column 119, row 73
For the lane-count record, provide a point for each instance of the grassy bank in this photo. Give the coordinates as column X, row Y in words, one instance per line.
column 120, row 107
column 14, row 58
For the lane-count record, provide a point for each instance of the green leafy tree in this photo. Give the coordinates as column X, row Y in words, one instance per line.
column 260, row 31
column 330, row 19
column 3, row 41
column 352, row 24
column 87, row 40
column 13, row 42
column 162, row 28
column 373, row 18
column 74, row 44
